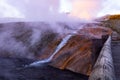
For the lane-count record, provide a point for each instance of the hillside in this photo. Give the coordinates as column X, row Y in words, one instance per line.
column 112, row 21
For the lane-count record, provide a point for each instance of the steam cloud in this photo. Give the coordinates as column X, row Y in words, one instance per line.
column 41, row 10
column 35, row 9
column 46, row 9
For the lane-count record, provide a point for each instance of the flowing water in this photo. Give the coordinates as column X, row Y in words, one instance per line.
column 59, row 47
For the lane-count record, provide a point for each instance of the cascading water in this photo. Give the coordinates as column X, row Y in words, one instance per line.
column 59, row 47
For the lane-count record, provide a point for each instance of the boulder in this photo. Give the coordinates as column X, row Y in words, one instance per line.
column 79, row 52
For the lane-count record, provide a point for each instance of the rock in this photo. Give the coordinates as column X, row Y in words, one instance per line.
column 75, row 50
column 113, row 22
column 76, row 55
column 80, row 52
column 104, row 68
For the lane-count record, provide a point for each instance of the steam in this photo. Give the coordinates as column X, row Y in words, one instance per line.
column 30, row 39
column 36, row 9
column 27, row 36
column 45, row 10
column 33, row 10
column 7, row 10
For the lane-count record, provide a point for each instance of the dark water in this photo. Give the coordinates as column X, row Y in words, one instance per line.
column 12, row 69
column 116, row 58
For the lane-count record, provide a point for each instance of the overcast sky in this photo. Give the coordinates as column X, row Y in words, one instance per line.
column 77, row 8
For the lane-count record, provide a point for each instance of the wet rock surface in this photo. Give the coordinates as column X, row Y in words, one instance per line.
column 12, row 69
column 74, row 50
column 80, row 53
